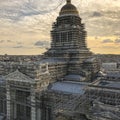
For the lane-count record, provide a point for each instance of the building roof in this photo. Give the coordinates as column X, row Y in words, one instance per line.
column 74, row 77
column 18, row 76
column 109, row 63
column 107, row 114
column 110, row 84
column 90, row 60
column 68, row 87
column 69, row 9
column 107, row 84
column 52, row 61
column 113, row 74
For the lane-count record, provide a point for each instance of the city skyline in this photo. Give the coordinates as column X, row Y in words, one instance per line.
column 25, row 25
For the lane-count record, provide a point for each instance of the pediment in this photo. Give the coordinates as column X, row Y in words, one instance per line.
column 18, row 76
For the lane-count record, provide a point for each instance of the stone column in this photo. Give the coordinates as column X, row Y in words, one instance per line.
column 8, row 101
column 33, row 103
column 47, row 69
column 15, row 111
column 47, row 113
column 38, row 114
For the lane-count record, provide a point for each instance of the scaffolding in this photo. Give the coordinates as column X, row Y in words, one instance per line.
column 68, row 103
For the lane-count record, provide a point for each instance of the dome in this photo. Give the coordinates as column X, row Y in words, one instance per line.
column 69, row 9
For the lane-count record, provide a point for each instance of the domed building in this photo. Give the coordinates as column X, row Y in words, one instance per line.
column 69, row 9
column 63, row 85
column 65, row 97
column 69, row 42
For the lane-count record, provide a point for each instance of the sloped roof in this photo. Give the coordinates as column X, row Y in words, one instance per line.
column 68, row 87
column 110, row 84
column 18, row 76
column 113, row 74
column 90, row 60
column 108, row 115
column 73, row 77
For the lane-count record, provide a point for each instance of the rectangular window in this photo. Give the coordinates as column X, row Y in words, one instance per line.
column 64, row 37
column 1, row 106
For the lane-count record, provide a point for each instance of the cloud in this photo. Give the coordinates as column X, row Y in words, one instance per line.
column 31, row 20
column 1, row 41
column 101, row 22
column 96, row 14
column 20, row 46
column 117, row 41
column 9, row 41
column 42, row 44
column 17, row 10
column 19, row 43
column 114, row 42
column 117, row 33
column 110, row 47
column 107, row 41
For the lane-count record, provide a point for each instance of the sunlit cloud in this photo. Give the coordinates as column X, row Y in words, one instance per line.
column 107, row 41
column 22, row 22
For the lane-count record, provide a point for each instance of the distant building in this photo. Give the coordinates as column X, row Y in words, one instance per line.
column 109, row 66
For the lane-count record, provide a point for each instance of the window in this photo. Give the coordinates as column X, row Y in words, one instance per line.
column 28, row 111
column 64, row 37
column 1, row 106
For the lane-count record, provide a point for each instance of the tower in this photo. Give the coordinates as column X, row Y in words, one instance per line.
column 69, row 39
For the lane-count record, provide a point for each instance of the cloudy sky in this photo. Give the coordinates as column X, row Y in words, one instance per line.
column 25, row 24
